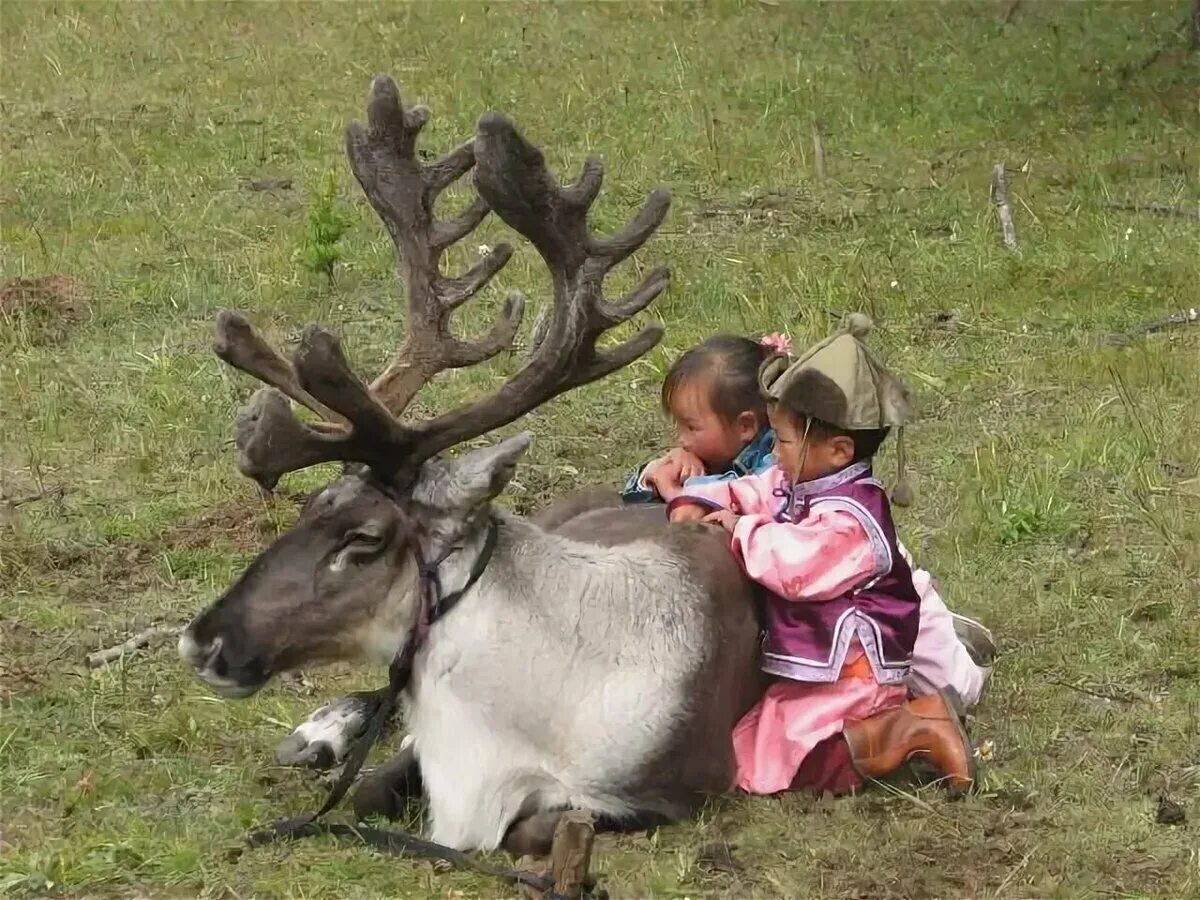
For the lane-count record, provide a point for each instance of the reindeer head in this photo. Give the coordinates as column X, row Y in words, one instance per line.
column 339, row 584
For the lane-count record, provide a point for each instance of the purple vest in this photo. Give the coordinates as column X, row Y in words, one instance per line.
column 808, row 641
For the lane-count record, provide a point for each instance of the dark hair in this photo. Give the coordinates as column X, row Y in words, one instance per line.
column 730, row 365
column 867, row 441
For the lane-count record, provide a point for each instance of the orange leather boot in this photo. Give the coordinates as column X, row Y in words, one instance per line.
column 927, row 726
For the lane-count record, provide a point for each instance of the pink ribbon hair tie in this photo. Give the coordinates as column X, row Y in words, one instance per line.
column 777, row 341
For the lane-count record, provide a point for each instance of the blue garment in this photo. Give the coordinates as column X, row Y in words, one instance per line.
column 756, row 456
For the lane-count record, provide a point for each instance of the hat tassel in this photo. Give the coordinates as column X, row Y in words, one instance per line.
column 902, row 492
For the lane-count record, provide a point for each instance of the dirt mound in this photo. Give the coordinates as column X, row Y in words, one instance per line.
column 42, row 310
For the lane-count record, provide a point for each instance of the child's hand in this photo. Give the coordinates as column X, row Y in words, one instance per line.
column 667, row 474
column 726, row 518
column 663, row 476
column 690, row 465
column 687, row 513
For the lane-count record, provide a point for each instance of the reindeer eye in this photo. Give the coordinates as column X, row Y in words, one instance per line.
column 366, row 538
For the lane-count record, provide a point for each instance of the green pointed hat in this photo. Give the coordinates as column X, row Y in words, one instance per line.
column 842, row 383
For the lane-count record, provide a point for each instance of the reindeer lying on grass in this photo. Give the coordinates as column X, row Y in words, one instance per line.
column 599, row 664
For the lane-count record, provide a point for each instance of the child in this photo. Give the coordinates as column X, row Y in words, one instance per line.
column 720, row 418
column 712, row 392
column 816, row 530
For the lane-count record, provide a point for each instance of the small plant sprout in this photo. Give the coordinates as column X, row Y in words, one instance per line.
column 327, row 224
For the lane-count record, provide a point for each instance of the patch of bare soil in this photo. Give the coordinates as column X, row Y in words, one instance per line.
column 17, row 679
column 88, row 575
column 45, row 309
column 244, row 525
column 18, row 673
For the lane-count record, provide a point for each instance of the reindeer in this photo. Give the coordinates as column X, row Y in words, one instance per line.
column 599, row 663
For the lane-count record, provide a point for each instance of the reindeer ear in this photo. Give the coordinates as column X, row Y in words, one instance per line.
column 471, row 480
column 487, row 472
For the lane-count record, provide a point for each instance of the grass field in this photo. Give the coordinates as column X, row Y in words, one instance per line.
column 1058, row 471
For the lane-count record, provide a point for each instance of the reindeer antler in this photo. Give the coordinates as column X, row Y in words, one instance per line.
column 363, row 424
column 403, row 193
column 270, row 440
column 511, row 175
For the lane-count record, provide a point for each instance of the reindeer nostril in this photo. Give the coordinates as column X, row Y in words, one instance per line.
column 216, row 661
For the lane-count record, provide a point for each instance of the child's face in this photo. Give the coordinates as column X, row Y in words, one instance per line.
column 700, row 431
column 822, row 456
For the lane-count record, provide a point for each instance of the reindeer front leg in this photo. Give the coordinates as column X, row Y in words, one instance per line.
column 387, row 790
column 323, row 739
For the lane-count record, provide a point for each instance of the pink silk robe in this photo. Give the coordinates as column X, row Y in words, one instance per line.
column 818, row 558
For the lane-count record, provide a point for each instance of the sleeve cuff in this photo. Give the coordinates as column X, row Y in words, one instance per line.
column 688, row 500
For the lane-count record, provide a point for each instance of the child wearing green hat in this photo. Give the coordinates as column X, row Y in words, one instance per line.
column 816, row 530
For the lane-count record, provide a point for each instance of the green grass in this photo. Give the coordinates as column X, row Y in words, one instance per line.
column 1058, row 491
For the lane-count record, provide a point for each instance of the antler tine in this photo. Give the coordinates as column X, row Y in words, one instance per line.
column 511, row 176
column 586, row 188
column 451, row 167
column 271, row 441
column 403, row 192
column 617, row 248
column 609, row 315
column 325, row 373
column 454, row 230
column 241, row 346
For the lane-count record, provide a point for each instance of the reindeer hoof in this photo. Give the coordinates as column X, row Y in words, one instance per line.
column 323, row 739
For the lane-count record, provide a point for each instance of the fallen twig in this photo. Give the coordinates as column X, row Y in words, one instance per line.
column 1000, row 198
column 1185, row 317
column 143, row 640
column 818, row 151
column 1126, row 696
column 54, row 493
column 1192, row 211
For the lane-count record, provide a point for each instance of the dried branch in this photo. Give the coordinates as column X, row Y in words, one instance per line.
column 566, row 868
column 1000, row 198
column 1162, row 209
column 267, row 184
column 1185, row 317
column 143, row 640
column 54, row 493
